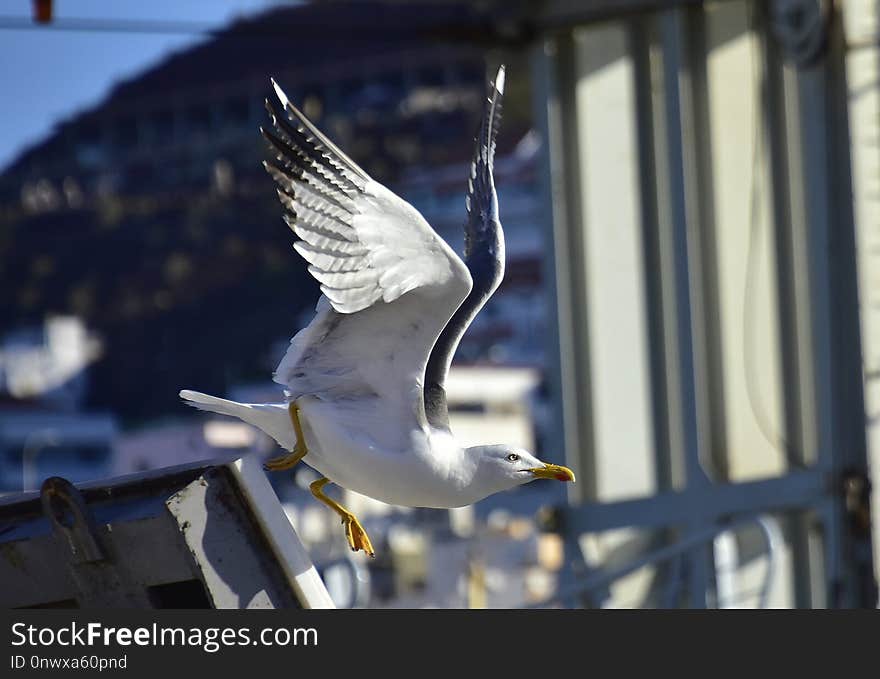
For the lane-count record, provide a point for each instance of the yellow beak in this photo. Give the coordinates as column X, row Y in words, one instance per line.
column 553, row 471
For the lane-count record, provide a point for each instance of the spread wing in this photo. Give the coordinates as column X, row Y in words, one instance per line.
column 484, row 254
column 390, row 283
column 363, row 243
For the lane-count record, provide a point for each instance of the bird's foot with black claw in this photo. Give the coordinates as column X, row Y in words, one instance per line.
column 356, row 535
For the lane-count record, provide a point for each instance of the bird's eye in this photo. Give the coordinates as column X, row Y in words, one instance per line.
column 513, row 457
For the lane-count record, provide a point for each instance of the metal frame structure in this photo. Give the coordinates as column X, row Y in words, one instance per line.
column 203, row 535
column 823, row 492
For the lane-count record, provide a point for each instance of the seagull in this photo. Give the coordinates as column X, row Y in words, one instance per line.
column 365, row 403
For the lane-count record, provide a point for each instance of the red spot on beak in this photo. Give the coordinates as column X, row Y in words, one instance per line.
column 562, row 477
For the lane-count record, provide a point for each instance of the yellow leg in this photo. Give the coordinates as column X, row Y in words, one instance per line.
column 282, row 462
column 354, row 532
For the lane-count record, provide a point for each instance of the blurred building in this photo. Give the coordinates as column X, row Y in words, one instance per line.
column 44, row 429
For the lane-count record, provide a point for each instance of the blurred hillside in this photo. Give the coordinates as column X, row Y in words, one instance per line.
column 150, row 218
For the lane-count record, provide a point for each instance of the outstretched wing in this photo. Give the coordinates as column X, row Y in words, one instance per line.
column 484, row 255
column 363, row 243
column 482, row 231
column 390, row 283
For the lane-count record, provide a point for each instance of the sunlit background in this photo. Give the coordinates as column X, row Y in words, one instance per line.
column 690, row 193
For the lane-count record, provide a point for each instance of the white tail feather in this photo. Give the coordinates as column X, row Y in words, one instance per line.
column 272, row 418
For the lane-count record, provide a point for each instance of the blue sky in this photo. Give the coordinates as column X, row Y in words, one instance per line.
column 48, row 75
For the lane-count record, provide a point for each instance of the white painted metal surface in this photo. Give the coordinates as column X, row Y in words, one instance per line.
column 279, row 532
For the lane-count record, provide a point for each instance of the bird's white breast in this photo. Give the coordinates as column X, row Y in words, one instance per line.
column 428, row 469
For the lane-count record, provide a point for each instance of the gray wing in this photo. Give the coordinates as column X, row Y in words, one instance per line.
column 484, row 255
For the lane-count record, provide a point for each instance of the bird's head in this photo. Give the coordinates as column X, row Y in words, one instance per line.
column 502, row 467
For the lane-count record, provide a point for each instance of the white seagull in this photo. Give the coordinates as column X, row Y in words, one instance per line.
column 365, row 403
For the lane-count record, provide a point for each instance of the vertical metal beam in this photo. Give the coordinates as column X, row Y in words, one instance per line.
column 806, row 161
column 545, row 108
column 862, row 31
column 677, row 250
column 648, row 70
column 826, row 311
column 850, row 463
column 677, row 174
column 776, row 135
column 555, row 65
column 700, row 212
